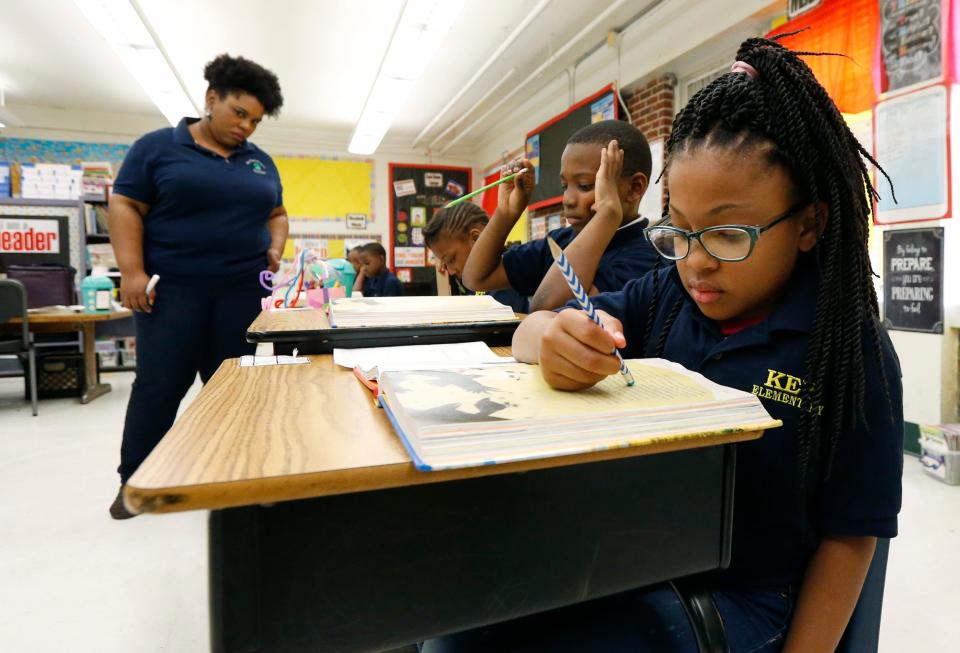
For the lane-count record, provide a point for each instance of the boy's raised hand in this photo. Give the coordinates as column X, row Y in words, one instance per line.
column 575, row 353
column 606, row 197
column 513, row 195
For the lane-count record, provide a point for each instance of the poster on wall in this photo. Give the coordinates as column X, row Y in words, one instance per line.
column 911, row 42
column 602, row 109
column 916, row 159
column 913, row 279
column 422, row 190
column 538, row 228
column 531, row 152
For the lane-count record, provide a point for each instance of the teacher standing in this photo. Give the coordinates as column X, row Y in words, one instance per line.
column 201, row 206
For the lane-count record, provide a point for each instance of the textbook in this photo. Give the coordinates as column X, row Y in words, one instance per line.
column 490, row 414
column 352, row 312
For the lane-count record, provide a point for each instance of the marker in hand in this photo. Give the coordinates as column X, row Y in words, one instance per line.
column 582, row 298
column 151, row 285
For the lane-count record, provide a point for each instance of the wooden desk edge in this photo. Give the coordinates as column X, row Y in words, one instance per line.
column 233, row 494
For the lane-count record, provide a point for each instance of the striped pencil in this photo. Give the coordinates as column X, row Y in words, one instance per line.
column 582, row 298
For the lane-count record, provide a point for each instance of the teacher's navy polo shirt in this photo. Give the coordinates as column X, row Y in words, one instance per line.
column 772, row 539
column 384, row 284
column 628, row 256
column 208, row 214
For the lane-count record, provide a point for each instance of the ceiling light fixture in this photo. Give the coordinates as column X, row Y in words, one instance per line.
column 422, row 26
column 126, row 30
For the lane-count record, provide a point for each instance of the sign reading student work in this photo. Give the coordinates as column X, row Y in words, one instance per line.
column 913, row 280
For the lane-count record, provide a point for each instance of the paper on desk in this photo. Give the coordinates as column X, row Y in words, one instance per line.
column 261, row 361
column 419, row 357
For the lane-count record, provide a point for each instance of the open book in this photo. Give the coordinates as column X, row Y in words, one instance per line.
column 403, row 311
column 482, row 415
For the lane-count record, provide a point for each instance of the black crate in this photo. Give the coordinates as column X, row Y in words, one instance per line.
column 58, row 375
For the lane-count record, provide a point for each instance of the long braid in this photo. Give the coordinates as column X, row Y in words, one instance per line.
column 789, row 117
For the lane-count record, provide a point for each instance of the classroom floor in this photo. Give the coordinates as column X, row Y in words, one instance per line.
column 75, row 580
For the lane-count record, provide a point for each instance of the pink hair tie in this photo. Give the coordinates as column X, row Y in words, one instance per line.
column 744, row 67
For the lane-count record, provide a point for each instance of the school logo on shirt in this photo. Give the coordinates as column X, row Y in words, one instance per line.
column 257, row 166
column 784, row 388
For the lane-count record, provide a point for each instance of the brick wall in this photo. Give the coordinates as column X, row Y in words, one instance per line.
column 651, row 107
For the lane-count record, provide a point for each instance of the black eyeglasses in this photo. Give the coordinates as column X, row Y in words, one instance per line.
column 725, row 242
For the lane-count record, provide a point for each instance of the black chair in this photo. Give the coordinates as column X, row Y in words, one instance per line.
column 13, row 303
column 861, row 636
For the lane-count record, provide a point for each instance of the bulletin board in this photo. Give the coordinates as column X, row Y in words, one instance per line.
column 327, row 189
column 912, row 43
column 545, row 144
column 416, row 193
column 917, row 160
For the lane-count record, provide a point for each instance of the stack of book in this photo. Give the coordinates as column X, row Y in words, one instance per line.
column 50, row 181
column 97, row 178
column 367, row 312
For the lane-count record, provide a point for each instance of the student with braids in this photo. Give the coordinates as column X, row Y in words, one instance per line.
column 604, row 240
column 450, row 234
column 769, row 203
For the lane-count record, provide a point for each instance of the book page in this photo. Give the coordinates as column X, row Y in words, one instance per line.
column 514, row 392
column 418, row 357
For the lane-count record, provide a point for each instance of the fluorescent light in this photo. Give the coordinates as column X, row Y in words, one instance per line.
column 2, row 125
column 120, row 23
column 421, row 29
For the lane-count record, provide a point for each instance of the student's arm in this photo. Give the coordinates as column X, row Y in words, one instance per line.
column 573, row 352
column 830, row 590
column 278, row 225
column 484, row 267
column 358, row 282
column 587, row 248
column 125, row 223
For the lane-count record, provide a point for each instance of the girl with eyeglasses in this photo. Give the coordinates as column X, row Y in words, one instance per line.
column 771, row 292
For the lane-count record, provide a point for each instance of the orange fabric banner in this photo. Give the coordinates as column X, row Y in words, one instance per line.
column 848, row 27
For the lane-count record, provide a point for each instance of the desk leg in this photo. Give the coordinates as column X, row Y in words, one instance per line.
column 93, row 387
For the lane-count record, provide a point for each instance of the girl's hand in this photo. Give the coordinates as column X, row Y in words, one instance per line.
column 513, row 195
column 606, row 197
column 575, row 353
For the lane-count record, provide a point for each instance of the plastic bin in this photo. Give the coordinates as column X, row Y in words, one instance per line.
column 58, row 375
column 938, row 461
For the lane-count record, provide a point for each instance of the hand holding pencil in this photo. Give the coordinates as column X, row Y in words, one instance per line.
column 517, row 184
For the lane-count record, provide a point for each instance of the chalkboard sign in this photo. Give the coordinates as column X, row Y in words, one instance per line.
column 416, row 193
column 911, row 41
column 545, row 144
column 913, row 279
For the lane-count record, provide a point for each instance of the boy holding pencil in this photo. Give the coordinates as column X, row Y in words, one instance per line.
column 604, row 241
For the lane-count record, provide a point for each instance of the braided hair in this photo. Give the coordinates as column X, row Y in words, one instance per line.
column 454, row 222
column 783, row 113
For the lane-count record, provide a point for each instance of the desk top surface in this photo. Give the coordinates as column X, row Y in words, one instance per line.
column 264, row 434
column 66, row 315
column 297, row 319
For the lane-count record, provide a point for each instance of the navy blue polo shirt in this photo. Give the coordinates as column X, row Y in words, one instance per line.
column 384, row 284
column 506, row 296
column 772, row 537
column 628, row 256
column 208, row 214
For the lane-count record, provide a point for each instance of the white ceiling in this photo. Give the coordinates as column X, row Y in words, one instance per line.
column 325, row 52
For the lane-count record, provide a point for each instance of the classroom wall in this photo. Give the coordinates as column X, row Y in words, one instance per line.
column 673, row 37
column 60, row 125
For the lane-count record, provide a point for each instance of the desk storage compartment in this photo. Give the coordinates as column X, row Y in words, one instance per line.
column 938, row 461
column 58, row 375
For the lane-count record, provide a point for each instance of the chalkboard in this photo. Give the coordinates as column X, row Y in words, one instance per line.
column 911, row 42
column 416, row 193
column 913, row 279
column 545, row 143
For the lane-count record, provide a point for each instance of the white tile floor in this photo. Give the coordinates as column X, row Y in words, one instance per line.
column 71, row 579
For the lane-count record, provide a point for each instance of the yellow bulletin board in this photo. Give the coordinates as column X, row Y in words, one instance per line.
column 319, row 194
column 326, row 188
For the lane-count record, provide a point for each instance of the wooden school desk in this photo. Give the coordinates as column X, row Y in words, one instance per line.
column 323, row 537
column 309, row 331
column 66, row 321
